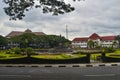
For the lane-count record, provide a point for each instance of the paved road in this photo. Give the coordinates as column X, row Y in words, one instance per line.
column 54, row 73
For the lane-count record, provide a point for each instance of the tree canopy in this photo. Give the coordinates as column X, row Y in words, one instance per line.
column 3, row 41
column 39, row 41
column 16, row 8
column 91, row 44
column 118, row 39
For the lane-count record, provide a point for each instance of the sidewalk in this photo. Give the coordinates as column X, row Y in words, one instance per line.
column 61, row 65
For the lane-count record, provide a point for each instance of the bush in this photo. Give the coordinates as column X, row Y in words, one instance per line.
column 29, row 50
column 23, row 50
column 8, row 52
column 2, row 56
column 109, row 50
column 78, row 52
column 17, row 50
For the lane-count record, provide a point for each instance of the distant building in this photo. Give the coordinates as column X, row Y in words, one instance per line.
column 17, row 33
column 103, row 41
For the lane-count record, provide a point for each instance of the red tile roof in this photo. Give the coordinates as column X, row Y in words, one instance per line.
column 94, row 36
column 105, row 38
column 80, row 39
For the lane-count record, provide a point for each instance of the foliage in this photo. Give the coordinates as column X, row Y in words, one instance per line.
column 90, row 44
column 16, row 8
column 29, row 50
column 58, row 56
column 118, row 39
column 17, row 50
column 55, row 41
column 3, row 41
column 109, row 50
column 77, row 52
column 42, row 41
column 25, row 39
column 8, row 52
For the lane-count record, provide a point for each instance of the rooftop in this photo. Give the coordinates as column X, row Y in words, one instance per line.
column 94, row 36
column 17, row 33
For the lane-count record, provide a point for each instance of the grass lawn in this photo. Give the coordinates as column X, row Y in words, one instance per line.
column 115, row 54
column 58, row 56
column 3, row 55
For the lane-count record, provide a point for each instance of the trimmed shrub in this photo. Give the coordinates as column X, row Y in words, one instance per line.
column 77, row 52
column 109, row 50
column 16, row 50
column 29, row 50
column 8, row 52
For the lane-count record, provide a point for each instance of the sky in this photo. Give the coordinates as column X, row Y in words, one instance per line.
column 90, row 16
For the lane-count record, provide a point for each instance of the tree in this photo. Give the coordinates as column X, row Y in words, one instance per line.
column 55, row 41
column 118, row 39
column 114, row 44
column 90, row 44
column 24, row 40
column 16, row 8
column 39, row 41
column 3, row 42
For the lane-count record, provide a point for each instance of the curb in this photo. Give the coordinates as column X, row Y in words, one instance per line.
column 61, row 65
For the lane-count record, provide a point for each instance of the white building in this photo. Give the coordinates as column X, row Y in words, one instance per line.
column 103, row 41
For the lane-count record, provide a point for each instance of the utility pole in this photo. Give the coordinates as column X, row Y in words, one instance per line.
column 66, row 32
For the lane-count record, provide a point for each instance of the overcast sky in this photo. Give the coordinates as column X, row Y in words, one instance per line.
column 91, row 16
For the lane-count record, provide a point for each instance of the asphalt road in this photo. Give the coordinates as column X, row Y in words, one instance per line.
column 54, row 73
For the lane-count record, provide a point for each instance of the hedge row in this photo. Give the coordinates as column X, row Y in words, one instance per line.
column 31, row 60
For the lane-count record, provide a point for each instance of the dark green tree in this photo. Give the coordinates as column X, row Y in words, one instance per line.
column 42, row 41
column 25, row 40
column 3, row 42
column 118, row 39
column 52, row 41
column 16, row 8
column 55, row 41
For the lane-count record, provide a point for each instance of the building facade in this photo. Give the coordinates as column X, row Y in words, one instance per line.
column 95, row 40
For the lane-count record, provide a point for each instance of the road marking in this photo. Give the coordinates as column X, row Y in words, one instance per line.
column 100, row 75
column 25, row 76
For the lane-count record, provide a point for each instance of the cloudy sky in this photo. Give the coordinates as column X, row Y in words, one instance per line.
column 90, row 16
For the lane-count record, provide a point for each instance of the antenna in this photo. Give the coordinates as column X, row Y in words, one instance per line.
column 66, row 32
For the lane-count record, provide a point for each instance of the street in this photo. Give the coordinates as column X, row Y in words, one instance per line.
column 63, row 73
